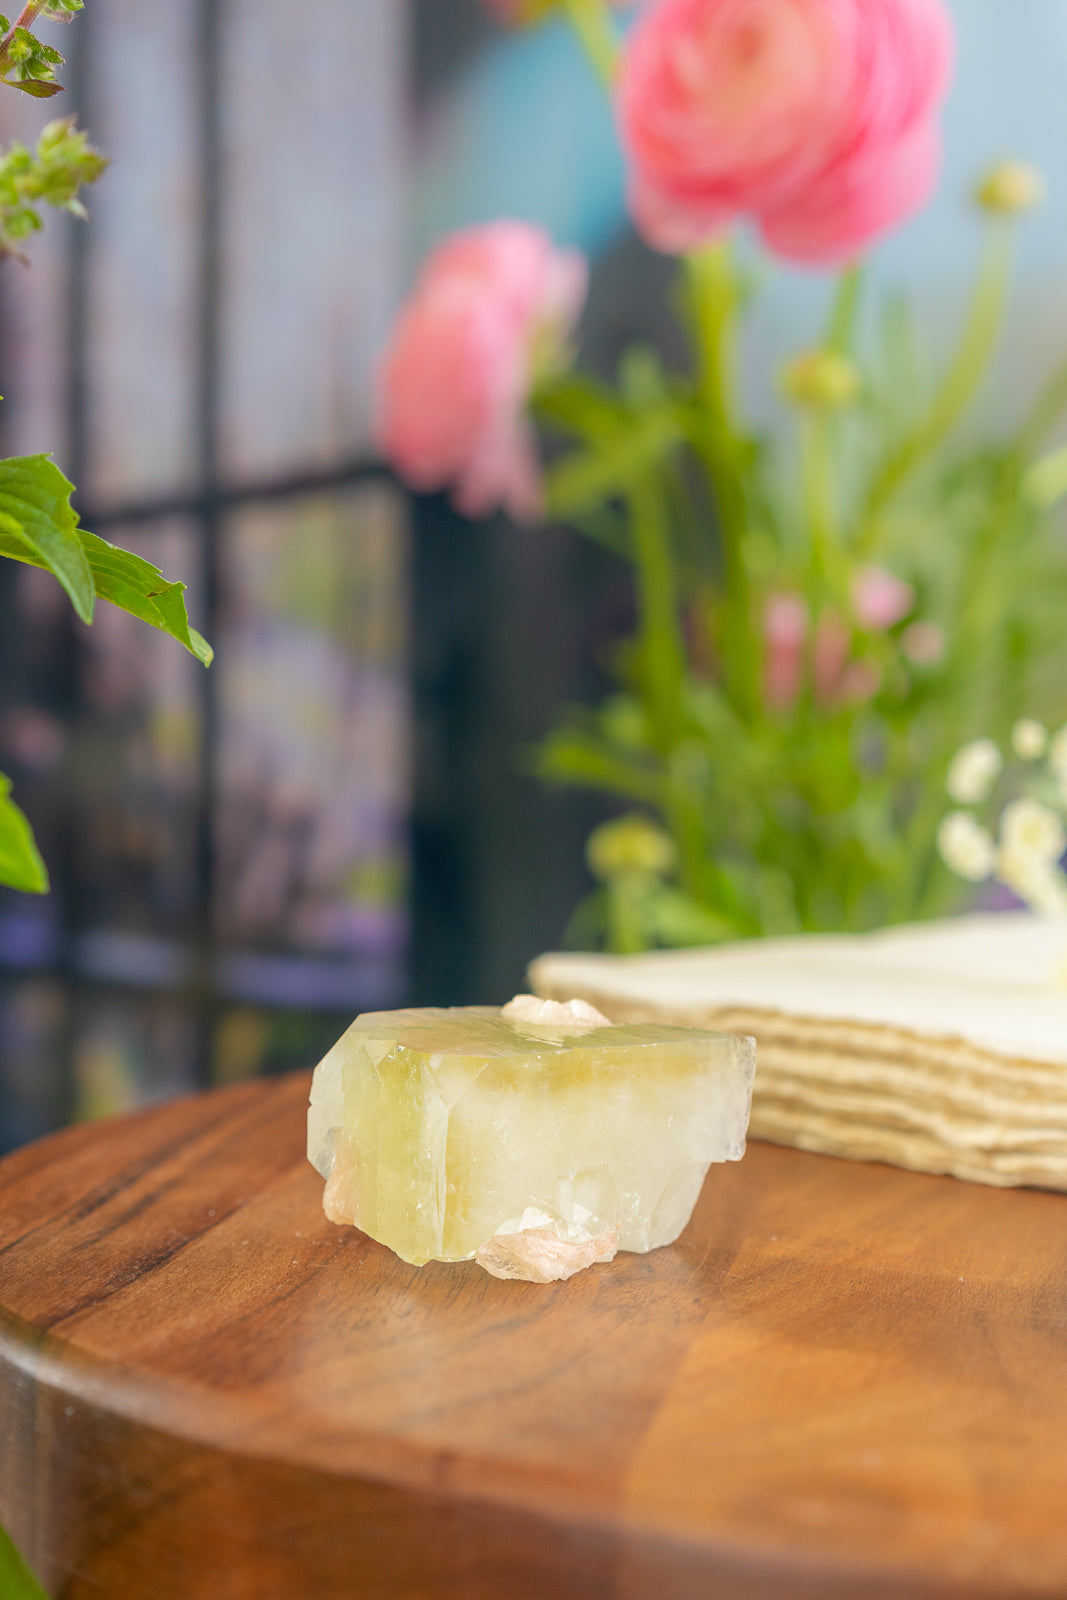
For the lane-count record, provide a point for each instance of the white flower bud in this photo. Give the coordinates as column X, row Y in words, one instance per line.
column 1039, row 883
column 966, row 847
column 1029, row 739
column 973, row 771
column 1031, row 833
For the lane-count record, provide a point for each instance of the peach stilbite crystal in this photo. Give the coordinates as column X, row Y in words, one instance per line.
column 536, row 1140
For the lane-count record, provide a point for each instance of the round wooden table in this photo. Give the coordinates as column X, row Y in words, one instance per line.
column 843, row 1381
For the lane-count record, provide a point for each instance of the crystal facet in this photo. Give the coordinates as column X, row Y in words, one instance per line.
column 536, row 1147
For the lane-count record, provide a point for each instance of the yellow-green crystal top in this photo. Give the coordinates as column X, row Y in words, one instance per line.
column 439, row 1131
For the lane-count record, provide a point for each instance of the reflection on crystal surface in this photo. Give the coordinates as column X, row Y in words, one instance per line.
column 437, row 1131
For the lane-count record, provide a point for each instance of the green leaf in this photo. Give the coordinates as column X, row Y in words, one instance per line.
column 674, row 919
column 30, row 65
column 35, row 87
column 584, row 479
column 579, row 405
column 35, row 509
column 136, row 586
column 17, row 1582
column 21, row 867
column 32, row 489
column 52, row 175
column 572, row 756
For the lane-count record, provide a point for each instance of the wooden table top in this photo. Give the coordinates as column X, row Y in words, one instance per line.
column 842, row 1381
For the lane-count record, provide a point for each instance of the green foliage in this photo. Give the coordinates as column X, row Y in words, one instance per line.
column 38, row 525
column 26, row 63
column 17, row 1582
column 52, row 175
column 21, row 866
column 134, row 585
column 816, row 806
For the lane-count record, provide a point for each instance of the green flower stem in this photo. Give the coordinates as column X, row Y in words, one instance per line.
column 961, row 381
column 626, row 931
column 844, row 309
column 1046, row 412
column 593, row 23
column 664, row 672
column 715, row 299
column 663, row 660
column 820, row 500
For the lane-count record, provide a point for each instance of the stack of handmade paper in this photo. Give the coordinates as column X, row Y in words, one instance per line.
column 941, row 1047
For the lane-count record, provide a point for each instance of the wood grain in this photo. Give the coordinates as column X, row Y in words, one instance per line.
column 843, row 1381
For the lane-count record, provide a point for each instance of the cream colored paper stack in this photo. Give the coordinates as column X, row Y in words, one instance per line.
column 941, row 1047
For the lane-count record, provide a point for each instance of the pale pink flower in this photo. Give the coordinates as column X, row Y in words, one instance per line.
column 491, row 305
column 839, row 679
column 923, row 643
column 785, row 632
column 830, row 657
column 880, row 599
column 861, row 681
column 817, row 118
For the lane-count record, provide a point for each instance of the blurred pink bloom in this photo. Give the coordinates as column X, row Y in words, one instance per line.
column 785, row 631
column 490, row 304
column 880, row 599
column 814, row 117
column 861, row 681
column 923, row 643
column 830, row 657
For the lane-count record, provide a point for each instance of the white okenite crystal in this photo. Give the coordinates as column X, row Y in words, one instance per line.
column 537, row 1140
column 576, row 1016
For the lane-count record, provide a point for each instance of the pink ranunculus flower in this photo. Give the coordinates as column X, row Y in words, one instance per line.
column 817, row 118
column 880, row 599
column 785, row 633
column 491, row 306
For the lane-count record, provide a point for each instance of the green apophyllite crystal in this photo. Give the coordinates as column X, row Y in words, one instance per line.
column 537, row 1148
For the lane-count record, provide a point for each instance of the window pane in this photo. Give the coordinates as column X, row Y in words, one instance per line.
column 130, row 1051
column 32, row 1101
column 314, row 750
column 34, row 307
column 313, row 174
column 132, row 782
column 251, row 1040
column 142, row 249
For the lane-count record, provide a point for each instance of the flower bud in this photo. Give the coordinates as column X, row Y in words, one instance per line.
column 629, row 846
column 1029, row 739
column 820, row 379
column 1009, row 188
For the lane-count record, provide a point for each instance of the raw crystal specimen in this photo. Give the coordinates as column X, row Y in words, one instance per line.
column 537, row 1140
